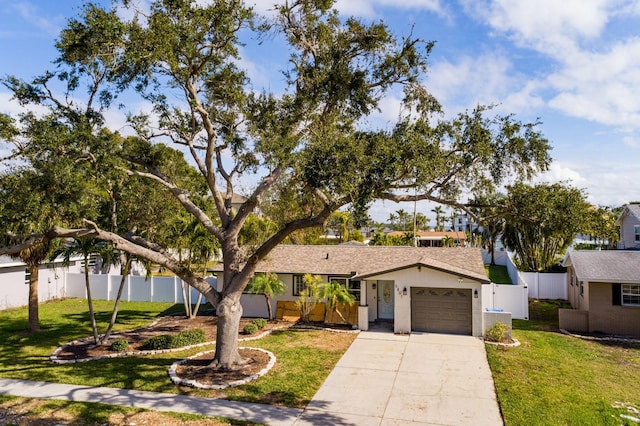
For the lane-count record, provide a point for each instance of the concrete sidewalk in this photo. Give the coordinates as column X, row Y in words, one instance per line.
column 258, row 413
column 417, row 379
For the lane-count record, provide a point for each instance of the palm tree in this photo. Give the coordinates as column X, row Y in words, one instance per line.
column 33, row 257
column 268, row 285
column 439, row 218
column 84, row 247
column 335, row 294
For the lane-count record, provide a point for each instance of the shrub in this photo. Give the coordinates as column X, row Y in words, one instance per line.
column 119, row 345
column 249, row 328
column 188, row 338
column 170, row 341
column 157, row 343
column 497, row 333
column 260, row 323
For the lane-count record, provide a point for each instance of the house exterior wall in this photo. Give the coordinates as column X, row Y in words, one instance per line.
column 14, row 290
column 426, row 277
column 605, row 317
column 627, row 231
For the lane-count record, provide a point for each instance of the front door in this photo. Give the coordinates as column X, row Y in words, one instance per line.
column 385, row 299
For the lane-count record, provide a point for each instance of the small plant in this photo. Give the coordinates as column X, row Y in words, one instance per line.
column 260, row 323
column 250, row 328
column 188, row 338
column 171, row 341
column 157, row 343
column 498, row 333
column 119, row 345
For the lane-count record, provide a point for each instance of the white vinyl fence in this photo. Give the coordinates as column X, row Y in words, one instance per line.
column 136, row 288
column 507, row 298
column 541, row 285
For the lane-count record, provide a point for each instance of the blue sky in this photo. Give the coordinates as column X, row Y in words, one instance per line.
column 572, row 64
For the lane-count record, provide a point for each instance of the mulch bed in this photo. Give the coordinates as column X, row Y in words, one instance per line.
column 167, row 325
column 198, row 369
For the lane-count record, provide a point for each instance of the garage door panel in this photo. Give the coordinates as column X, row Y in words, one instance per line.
column 441, row 310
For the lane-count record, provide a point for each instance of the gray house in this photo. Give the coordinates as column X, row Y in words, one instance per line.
column 604, row 291
column 629, row 222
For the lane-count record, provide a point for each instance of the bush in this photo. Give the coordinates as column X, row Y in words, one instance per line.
column 119, row 345
column 249, row 328
column 157, row 343
column 497, row 333
column 260, row 323
column 170, row 341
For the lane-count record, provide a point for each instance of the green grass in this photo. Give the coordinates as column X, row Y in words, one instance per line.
column 304, row 358
column 498, row 274
column 554, row 379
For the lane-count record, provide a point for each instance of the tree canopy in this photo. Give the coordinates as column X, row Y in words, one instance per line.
column 305, row 149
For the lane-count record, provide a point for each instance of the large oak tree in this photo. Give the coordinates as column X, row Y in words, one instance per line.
column 308, row 150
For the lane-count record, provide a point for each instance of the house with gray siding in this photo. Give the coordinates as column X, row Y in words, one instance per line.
column 629, row 223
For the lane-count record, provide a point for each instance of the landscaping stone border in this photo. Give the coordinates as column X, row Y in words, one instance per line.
column 195, row 384
column 515, row 343
column 55, row 360
column 603, row 338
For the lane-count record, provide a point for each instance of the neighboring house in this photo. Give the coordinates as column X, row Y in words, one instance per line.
column 418, row 289
column 14, row 277
column 604, row 290
column 629, row 222
column 435, row 239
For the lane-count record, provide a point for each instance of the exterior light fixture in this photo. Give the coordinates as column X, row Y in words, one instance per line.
column 475, row 293
column 404, row 291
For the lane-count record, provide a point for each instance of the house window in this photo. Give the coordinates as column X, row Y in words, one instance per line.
column 27, row 276
column 631, row 294
column 298, row 284
column 354, row 289
column 636, row 231
column 581, row 288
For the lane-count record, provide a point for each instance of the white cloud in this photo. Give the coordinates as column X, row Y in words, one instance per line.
column 601, row 87
column 549, row 26
column 372, row 8
column 633, row 142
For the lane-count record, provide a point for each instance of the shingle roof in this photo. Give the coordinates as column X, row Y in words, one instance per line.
column 371, row 260
column 629, row 209
column 617, row 266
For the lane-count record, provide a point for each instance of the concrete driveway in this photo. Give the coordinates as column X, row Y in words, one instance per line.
column 417, row 379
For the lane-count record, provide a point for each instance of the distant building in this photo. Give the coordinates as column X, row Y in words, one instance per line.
column 629, row 222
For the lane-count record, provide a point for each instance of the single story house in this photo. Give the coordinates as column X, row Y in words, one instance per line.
column 416, row 288
column 604, row 291
column 435, row 238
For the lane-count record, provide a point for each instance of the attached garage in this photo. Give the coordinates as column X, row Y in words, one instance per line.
column 441, row 310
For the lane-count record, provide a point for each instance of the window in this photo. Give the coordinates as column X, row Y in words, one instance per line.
column 27, row 276
column 581, row 288
column 354, row 289
column 298, row 284
column 636, row 231
column 631, row 294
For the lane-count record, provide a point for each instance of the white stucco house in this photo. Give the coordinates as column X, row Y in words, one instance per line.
column 425, row 289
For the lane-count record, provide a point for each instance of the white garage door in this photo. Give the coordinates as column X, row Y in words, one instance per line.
column 441, row 310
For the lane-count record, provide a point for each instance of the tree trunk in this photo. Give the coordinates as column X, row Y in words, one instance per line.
column 227, row 357
column 266, row 296
column 114, row 315
column 34, row 318
column 92, row 314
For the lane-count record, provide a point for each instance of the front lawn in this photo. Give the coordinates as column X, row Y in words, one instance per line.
column 552, row 378
column 304, row 358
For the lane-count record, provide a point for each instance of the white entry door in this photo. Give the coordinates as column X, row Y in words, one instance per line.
column 385, row 299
